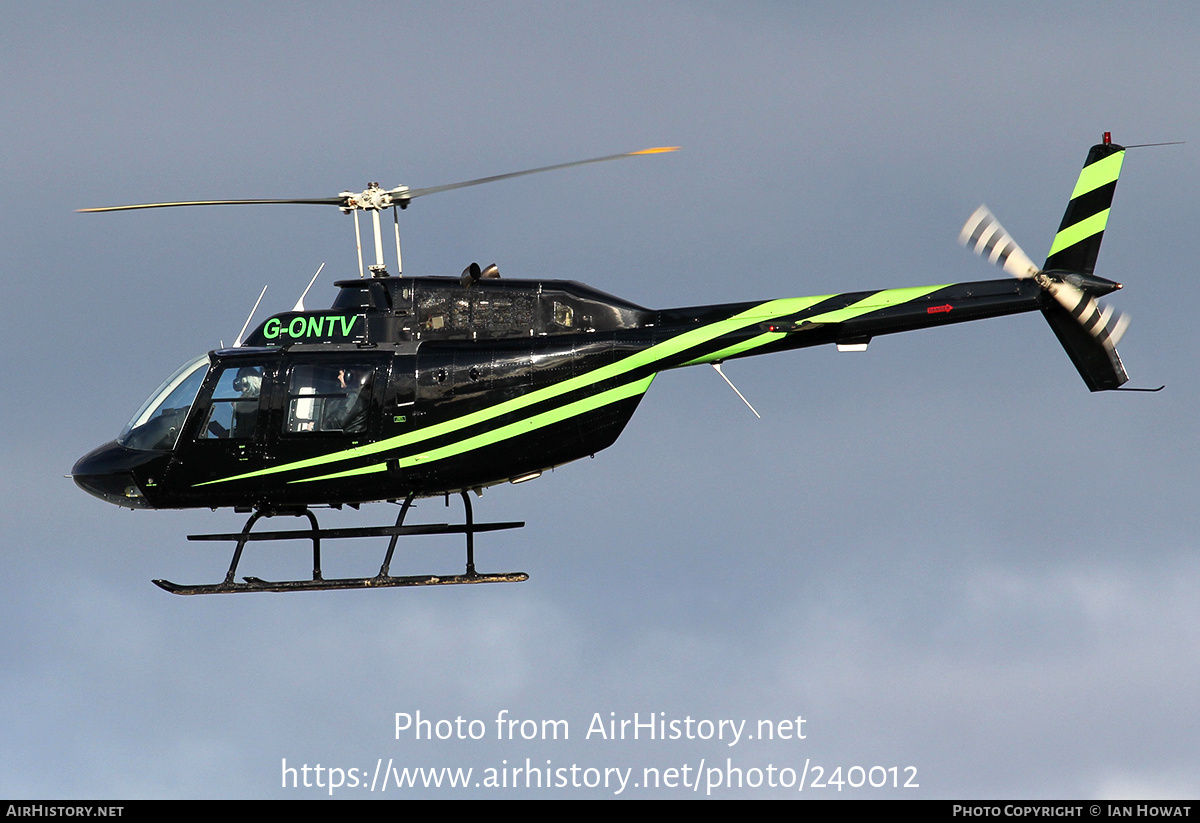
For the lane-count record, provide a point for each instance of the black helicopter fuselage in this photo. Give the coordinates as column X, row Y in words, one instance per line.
column 414, row 387
column 422, row 386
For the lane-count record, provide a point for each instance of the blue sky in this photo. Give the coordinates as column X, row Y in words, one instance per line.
column 944, row 553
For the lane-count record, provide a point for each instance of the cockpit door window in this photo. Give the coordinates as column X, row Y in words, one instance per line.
column 233, row 412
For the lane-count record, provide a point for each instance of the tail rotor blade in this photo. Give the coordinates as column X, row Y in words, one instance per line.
column 984, row 235
column 1071, row 298
column 1118, row 329
column 1087, row 312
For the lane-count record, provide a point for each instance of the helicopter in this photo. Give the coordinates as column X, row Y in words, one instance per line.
column 435, row 386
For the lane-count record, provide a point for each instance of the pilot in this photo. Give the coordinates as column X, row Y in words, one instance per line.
column 245, row 410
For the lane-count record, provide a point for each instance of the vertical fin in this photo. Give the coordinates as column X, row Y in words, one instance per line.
column 1077, row 243
column 1095, row 359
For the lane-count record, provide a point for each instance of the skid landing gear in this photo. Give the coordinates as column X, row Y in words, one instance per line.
column 318, row 583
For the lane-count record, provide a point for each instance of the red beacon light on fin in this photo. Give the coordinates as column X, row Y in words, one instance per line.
column 1107, row 138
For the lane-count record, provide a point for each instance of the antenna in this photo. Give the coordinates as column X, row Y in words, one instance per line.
column 300, row 303
column 717, row 366
column 238, row 342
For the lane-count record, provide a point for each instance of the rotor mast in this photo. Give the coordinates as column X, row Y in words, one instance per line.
column 375, row 199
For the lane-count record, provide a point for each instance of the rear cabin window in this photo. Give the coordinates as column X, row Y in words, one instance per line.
column 478, row 311
column 329, row 398
column 564, row 315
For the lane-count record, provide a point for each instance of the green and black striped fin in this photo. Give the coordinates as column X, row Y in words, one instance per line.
column 1077, row 243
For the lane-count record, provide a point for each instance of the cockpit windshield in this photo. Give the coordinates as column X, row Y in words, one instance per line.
column 157, row 424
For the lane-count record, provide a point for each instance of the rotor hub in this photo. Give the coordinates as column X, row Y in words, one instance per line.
column 372, row 198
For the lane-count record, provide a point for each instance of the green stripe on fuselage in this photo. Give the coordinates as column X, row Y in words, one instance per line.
column 520, row 427
column 879, row 300
column 737, row 348
column 873, row 302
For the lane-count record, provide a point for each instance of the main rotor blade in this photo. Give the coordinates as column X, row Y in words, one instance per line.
column 322, row 201
column 411, row 193
column 400, row 193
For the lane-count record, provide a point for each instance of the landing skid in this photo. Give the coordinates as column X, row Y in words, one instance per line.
column 318, row 583
column 257, row 584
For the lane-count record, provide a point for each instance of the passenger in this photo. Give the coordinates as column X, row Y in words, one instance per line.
column 349, row 413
